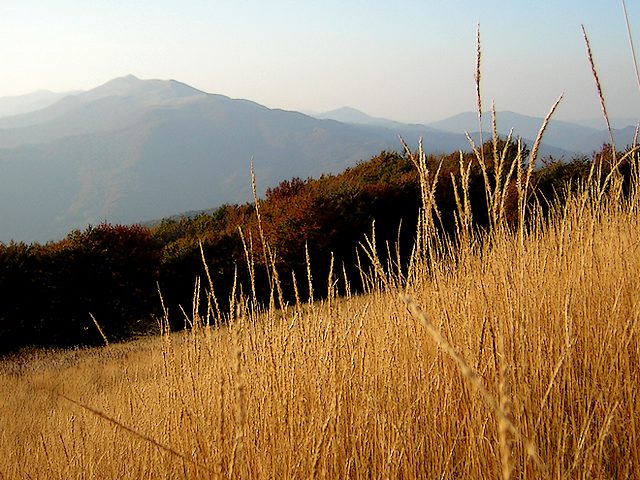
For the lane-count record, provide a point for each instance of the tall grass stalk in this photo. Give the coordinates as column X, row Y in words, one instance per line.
column 634, row 58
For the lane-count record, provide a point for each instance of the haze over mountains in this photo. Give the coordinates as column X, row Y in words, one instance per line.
column 568, row 136
column 133, row 150
column 560, row 138
column 30, row 102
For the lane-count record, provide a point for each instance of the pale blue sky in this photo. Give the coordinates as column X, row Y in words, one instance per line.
column 408, row 60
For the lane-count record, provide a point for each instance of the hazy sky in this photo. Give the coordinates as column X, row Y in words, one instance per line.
column 409, row 60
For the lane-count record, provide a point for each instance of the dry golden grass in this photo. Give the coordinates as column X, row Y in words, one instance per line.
column 546, row 325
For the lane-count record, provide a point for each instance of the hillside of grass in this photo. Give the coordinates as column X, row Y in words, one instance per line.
column 502, row 345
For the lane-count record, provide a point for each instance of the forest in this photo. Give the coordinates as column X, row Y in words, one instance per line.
column 114, row 282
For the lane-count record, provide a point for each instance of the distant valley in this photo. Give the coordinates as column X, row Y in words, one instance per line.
column 133, row 150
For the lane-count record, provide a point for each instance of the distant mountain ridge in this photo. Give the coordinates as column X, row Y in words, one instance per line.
column 573, row 138
column 30, row 102
column 132, row 150
column 568, row 136
column 354, row 116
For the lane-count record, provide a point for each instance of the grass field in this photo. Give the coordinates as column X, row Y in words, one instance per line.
column 519, row 357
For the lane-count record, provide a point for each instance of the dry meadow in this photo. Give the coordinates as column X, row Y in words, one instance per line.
column 514, row 354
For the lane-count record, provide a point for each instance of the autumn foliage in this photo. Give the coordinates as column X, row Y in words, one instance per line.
column 117, row 274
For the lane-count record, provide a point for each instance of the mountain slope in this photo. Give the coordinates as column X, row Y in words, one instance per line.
column 133, row 150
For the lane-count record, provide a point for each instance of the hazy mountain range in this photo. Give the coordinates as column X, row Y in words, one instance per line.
column 133, row 150
column 560, row 138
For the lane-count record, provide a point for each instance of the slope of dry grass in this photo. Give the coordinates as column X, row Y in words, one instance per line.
column 356, row 387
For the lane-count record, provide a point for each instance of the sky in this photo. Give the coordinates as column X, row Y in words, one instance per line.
column 408, row 60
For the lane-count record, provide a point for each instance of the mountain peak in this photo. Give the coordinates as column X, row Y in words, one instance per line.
column 346, row 115
column 148, row 91
column 120, row 84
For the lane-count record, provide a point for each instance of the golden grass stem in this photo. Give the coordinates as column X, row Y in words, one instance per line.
column 95, row 322
column 477, row 78
column 256, row 202
column 472, row 377
column 134, row 432
column 596, row 79
column 634, row 58
column 504, row 392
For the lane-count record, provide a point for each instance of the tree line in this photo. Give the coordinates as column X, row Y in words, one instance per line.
column 117, row 274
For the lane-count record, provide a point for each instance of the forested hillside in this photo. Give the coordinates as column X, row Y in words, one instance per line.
column 116, row 273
